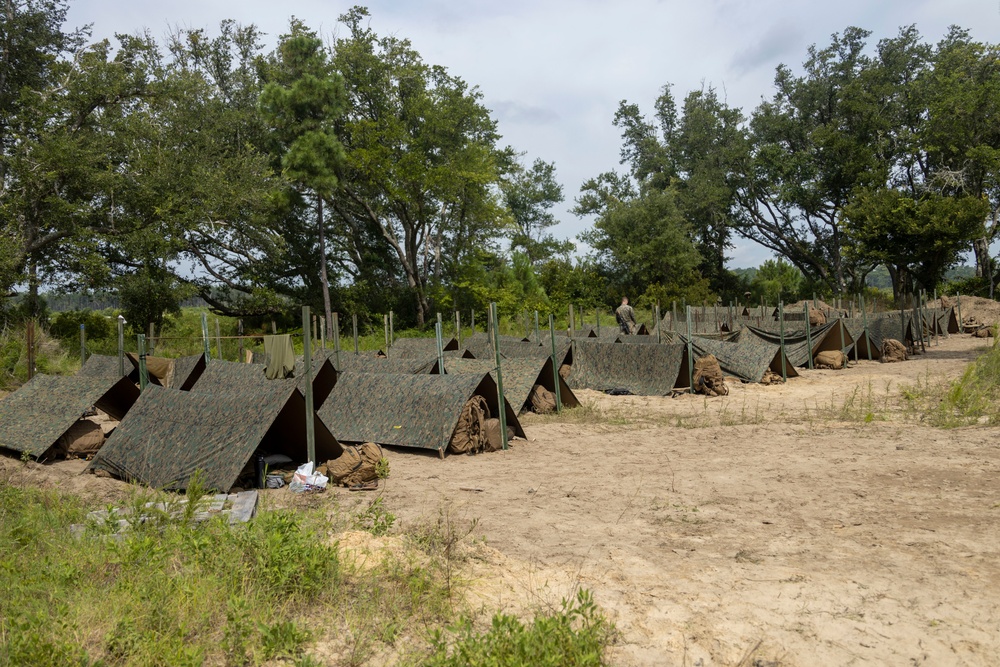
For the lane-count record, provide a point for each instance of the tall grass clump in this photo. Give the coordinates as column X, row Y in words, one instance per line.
column 574, row 636
column 973, row 398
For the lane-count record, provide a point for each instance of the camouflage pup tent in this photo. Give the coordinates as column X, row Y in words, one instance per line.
column 644, row 370
column 480, row 347
column 231, row 376
column 746, row 356
column 832, row 336
column 169, row 434
column 419, row 411
column 365, row 364
column 519, row 378
column 36, row 416
column 180, row 373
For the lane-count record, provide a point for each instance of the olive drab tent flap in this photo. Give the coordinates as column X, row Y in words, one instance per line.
column 419, row 411
column 40, row 412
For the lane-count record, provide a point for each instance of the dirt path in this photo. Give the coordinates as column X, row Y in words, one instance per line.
column 802, row 543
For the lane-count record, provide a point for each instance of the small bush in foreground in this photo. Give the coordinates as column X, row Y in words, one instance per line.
column 575, row 636
column 971, row 399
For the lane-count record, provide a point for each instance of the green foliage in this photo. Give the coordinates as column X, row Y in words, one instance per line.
column 972, row 399
column 529, row 194
column 66, row 325
column 375, row 519
column 776, row 280
column 576, row 635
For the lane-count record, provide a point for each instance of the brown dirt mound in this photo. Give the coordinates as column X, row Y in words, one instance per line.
column 984, row 311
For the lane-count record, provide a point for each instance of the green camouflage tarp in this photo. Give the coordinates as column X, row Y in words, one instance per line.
column 890, row 325
column 187, row 370
column 419, row 348
column 644, row 370
column 360, row 364
column 519, row 378
column 746, row 356
column 221, row 376
column 480, row 348
column 827, row 337
column 418, row 411
column 35, row 416
column 105, row 366
column 169, row 434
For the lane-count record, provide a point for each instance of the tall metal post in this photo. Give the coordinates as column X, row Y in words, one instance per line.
column 121, row 345
column 392, row 332
column 218, row 340
column 572, row 319
column 690, row 351
column 809, row 336
column 30, row 334
column 597, row 316
column 83, row 345
column 322, row 334
column 458, row 328
column 239, row 333
column 538, row 335
column 150, row 340
column 310, row 408
column 659, row 325
column 961, row 325
column 354, row 320
column 440, row 348
column 143, row 372
column 472, row 320
column 336, row 339
column 864, row 323
column 385, row 326
column 501, row 401
column 781, row 328
column 204, row 337
column 555, row 363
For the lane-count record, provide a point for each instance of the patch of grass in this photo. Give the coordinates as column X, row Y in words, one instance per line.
column 575, row 635
column 171, row 591
column 973, row 398
column 864, row 404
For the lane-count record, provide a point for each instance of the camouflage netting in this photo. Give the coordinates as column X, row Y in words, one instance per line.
column 892, row 351
column 40, row 412
column 708, row 378
column 746, row 356
column 169, row 434
column 890, row 325
column 418, row 411
column 520, row 375
column 419, row 348
column 644, row 370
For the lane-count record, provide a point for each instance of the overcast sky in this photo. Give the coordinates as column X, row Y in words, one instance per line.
column 553, row 71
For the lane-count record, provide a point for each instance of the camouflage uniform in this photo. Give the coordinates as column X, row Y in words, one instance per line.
column 626, row 318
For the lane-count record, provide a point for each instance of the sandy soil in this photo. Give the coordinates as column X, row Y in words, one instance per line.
column 781, row 540
column 780, row 525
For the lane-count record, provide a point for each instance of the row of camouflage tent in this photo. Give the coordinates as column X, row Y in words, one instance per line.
column 218, row 416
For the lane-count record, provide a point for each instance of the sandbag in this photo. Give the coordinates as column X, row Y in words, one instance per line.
column 816, row 317
column 492, row 431
column 84, row 438
column 469, row 435
column 708, row 378
column 892, row 351
column 565, row 370
column 542, row 400
column 983, row 332
column 832, row 359
column 770, row 377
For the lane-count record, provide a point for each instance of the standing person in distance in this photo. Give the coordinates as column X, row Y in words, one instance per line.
column 626, row 317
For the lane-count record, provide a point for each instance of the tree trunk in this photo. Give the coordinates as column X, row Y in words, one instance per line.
column 981, row 248
column 900, row 277
column 327, row 311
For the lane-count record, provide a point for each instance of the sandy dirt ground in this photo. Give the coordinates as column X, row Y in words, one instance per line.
column 813, row 523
